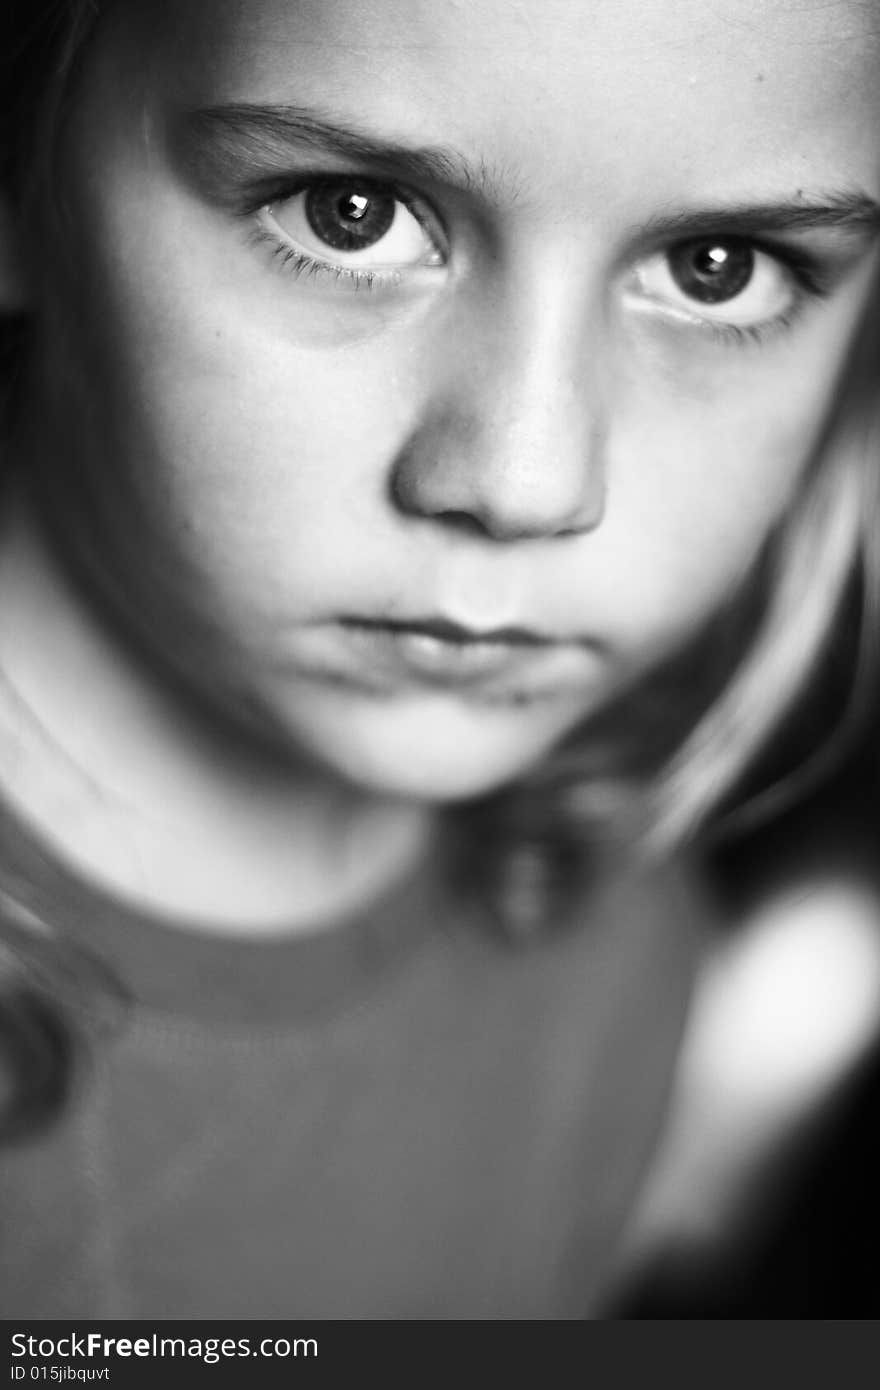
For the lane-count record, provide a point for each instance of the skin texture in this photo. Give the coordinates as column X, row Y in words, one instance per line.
column 522, row 424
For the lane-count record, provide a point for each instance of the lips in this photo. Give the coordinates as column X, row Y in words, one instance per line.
column 389, row 656
column 453, row 634
column 437, row 651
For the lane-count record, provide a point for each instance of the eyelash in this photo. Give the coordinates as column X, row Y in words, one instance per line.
column 292, row 261
column 810, row 280
column 749, row 334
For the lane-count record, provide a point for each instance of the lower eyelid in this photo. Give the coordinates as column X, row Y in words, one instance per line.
column 679, row 319
column 296, row 261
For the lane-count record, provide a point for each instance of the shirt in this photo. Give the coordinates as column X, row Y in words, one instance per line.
column 399, row 1116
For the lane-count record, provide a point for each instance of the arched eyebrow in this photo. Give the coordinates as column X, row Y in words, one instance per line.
column 240, row 135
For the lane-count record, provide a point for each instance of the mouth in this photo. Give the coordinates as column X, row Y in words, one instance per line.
column 390, row 655
column 449, row 633
column 443, row 653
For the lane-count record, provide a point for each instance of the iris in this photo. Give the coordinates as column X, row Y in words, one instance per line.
column 712, row 271
column 347, row 216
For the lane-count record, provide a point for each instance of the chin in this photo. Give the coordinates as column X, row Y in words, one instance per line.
column 435, row 752
column 427, row 783
column 435, row 774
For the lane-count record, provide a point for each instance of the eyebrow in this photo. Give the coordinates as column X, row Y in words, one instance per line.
column 853, row 212
column 242, row 132
column 220, row 139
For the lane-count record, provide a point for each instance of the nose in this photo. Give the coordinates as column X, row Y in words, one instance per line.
column 511, row 444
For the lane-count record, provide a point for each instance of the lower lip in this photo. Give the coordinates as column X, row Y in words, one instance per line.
column 390, row 657
column 438, row 659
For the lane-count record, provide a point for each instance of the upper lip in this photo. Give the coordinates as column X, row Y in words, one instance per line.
column 445, row 630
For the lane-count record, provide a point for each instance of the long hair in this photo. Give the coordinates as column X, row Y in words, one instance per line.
column 664, row 767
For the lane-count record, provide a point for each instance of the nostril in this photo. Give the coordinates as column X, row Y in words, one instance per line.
column 462, row 521
column 415, row 492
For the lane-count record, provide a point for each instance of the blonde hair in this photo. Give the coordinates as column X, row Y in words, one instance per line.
column 824, row 569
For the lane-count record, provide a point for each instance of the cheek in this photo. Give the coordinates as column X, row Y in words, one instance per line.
column 701, row 468
column 267, row 461
column 249, row 435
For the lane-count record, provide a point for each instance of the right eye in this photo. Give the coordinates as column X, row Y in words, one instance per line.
column 352, row 223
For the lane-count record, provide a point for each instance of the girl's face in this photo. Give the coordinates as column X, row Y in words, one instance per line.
column 430, row 371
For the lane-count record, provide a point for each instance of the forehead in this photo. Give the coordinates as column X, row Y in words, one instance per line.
column 737, row 92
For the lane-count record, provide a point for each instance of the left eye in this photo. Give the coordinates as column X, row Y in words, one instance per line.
column 351, row 223
column 719, row 279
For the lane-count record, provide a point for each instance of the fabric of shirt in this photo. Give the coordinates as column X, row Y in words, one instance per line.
column 399, row 1116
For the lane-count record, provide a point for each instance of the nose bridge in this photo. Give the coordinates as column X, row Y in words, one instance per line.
column 513, row 439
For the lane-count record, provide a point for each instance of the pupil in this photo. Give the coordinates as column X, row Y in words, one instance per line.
column 712, row 272
column 349, row 218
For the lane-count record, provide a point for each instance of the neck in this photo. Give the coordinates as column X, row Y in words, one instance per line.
column 175, row 812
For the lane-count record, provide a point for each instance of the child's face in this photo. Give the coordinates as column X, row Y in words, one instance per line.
column 509, row 316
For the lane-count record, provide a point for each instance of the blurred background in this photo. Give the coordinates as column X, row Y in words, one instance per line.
column 765, row 1202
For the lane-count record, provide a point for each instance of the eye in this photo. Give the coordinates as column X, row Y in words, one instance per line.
column 723, row 280
column 353, row 224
